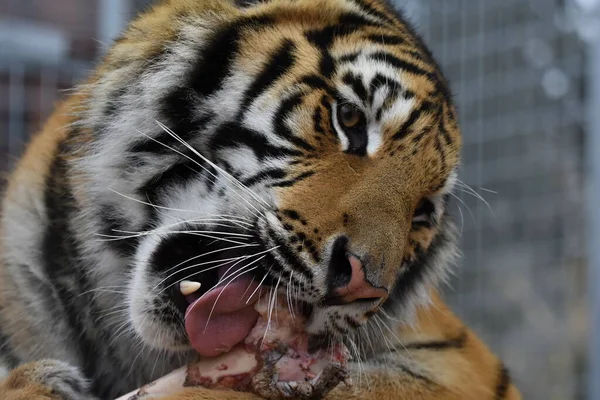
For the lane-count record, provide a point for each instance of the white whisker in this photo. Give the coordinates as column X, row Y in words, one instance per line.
column 179, row 209
column 257, row 214
column 231, row 178
column 242, row 271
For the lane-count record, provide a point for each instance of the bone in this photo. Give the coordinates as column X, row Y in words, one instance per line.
column 188, row 287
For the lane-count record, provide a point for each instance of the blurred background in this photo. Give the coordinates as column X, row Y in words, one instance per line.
column 526, row 78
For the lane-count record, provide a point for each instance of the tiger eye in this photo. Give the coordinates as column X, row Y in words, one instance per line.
column 350, row 116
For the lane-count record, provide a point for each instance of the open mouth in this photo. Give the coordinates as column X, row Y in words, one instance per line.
column 218, row 319
column 223, row 316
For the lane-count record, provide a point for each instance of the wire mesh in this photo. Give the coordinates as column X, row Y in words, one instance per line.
column 517, row 71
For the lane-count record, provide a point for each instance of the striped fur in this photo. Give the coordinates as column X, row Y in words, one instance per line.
column 211, row 131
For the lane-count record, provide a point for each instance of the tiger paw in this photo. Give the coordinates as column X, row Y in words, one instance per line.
column 45, row 379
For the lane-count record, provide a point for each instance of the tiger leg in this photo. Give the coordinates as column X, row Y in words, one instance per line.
column 45, row 380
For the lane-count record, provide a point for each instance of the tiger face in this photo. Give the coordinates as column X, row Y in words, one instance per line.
column 306, row 147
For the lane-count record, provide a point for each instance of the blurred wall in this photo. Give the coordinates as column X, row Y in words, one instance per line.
column 46, row 47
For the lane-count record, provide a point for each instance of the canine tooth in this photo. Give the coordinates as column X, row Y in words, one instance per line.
column 188, row 287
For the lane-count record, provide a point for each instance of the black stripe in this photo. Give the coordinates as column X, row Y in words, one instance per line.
column 6, row 353
column 177, row 111
column 416, row 375
column 278, row 65
column 426, row 209
column 177, row 174
column 282, row 129
column 291, row 260
column 386, row 39
column 415, row 270
column 414, row 54
column 114, row 225
column 503, row 383
column 406, row 127
column 380, row 80
column 455, row 343
column 357, row 86
column 424, row 52
column 421, row 224
column 373, row 12
column 323, row 38
column 400, row 64
column 273, row 173
column 444, row 132
column 277, row 268
column 291, row 214
column 435, row 78
column 316, row 82
column 214, row 62
column 351, row 322
column 317, row 119
column 233, row 134
column 417, row 138
column 293, row 181
column 318, row 116
column 357, row 20
column 61, row 258
column 349, row 58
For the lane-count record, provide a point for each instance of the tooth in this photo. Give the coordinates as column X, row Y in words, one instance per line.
column 188, row 287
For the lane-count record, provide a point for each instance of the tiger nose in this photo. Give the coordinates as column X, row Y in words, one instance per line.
column 348, row 282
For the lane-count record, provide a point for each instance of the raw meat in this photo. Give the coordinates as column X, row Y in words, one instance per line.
column 273, row 361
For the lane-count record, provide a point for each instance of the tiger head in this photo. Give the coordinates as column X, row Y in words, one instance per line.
column 304, row 146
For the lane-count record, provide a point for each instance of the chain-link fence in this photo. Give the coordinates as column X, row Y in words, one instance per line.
column 517, row 69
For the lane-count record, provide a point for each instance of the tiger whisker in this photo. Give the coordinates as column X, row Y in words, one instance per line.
column 272, row 299
column 232, row 234
column 230, row 177
column 361, row 370
column 385, row 314
column 180, row 210
column 221, row 239
column 222, row 261
column 259, row 215
column 242, row 258
column 261, row 252
column 211, row 252
column 237, row 260
column 472, row 192
column 248, row 288
column 243, row 271
column 260, row 285
column 288, row 296
column 379, row 320
column 464, row 204
column 108, row 289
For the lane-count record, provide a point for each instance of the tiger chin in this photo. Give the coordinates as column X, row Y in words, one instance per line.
column 303, row 146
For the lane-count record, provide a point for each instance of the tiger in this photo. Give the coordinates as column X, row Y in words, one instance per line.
column 314, row 143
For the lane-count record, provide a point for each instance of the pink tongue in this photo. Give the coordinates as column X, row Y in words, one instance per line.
column 232, row 318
